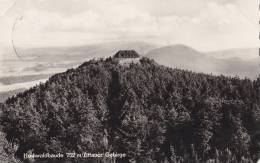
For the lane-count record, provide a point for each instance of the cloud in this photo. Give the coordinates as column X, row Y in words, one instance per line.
column 203, row 24
column 154, row 7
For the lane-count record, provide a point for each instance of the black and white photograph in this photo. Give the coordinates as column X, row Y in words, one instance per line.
column 129, row 81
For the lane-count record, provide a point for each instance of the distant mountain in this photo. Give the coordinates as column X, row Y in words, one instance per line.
column 182, row 51
column 181, row 56
column 143, row 112
column 185, row 57
column 246, row 54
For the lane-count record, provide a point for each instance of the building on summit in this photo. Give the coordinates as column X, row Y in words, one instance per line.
column 126, row 54
column 126, row 57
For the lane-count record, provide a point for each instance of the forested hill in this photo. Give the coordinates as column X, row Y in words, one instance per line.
column 149, row 112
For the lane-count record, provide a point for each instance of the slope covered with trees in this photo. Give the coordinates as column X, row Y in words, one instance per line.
column 149, row 112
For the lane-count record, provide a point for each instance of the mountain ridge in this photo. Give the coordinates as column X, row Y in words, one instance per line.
column 185, row 57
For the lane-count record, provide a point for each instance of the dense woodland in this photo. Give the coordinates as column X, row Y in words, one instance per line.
column 152, row 113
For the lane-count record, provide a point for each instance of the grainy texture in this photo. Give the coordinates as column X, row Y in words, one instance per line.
column 150, row 112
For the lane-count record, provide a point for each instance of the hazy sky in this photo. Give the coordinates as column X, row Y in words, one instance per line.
column 202, row 24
